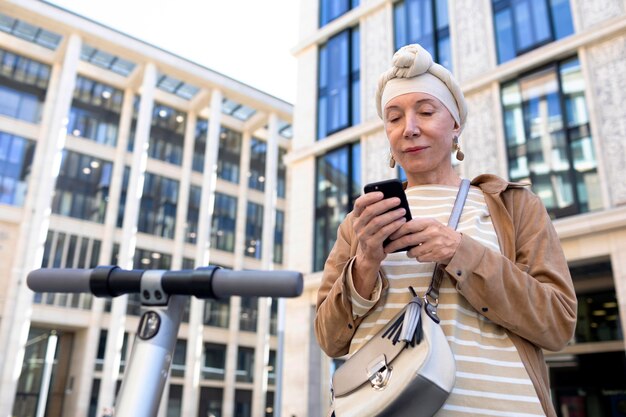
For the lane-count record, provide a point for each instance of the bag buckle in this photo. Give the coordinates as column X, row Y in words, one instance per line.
column 379, row 373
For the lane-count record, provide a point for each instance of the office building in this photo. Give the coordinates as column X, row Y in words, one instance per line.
column 114, row 151
column 545, row 82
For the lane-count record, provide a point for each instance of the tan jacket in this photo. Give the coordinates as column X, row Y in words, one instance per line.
column 527, row 289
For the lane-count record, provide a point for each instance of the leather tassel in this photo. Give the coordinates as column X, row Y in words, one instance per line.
column 411, row 332
column 408, row 327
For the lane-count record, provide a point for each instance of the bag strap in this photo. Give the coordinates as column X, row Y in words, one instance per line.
column 431, row 297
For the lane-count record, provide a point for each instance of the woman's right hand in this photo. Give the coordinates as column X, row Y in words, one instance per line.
column 373, row 223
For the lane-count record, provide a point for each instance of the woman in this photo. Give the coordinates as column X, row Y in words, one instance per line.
column 507, row 293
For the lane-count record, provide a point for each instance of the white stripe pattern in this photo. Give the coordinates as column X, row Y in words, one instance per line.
column 491, row 378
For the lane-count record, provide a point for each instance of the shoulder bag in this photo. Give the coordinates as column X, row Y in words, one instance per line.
column 407, row 369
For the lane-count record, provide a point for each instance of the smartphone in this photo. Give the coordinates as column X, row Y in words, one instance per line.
column 391, row 188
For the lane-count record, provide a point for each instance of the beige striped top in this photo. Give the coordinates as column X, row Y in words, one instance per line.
column 490, row 378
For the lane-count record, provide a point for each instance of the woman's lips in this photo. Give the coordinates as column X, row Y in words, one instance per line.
column 415, row 149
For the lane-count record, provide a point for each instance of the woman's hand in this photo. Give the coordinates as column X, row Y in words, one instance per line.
column 430, row 241
column 373, row 223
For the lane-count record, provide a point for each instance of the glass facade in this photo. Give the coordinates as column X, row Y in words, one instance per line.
column 523, row 25
column 167, row 134
column 258, row 154
column 224, row 222
column 178, row 360
column 248, row 313
column 549, row 140
column 23, row 85
column 279, row 234
column 95, row 111
column 245, row 364
column 331, row 9
column 199, row 145
column 217, row 313
column 16, row 159
column 254, row 231
column 229, row 154
column 193, row 213
column 157, row 213
column 82, row 187
column 281, row 178
column 214, row 362
column 210, row 402
column 338, row 92
column 425, row 22
column 243, row 403
column 337, row 184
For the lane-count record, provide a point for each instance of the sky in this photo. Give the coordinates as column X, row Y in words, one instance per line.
column 247, row 40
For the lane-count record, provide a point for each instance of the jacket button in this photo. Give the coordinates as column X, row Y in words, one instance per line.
column 349, row 326
column 485, row 309
column 459, row 272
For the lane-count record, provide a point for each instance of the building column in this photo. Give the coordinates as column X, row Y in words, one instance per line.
column 262, row 349
column 32, row 236
column 230, row 369
column 183, row 195
column 115, row 335
column 85, row 377
column 193, row 359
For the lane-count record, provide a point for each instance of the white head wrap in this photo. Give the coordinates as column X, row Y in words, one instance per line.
column 414, row 71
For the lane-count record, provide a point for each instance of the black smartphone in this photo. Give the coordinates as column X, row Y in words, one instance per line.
column 391, row 188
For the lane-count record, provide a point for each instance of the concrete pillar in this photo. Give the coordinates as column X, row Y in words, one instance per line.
column 191, row 387
column 228, row 403
column 115, row 336
column 84, row 378
column 262, row 349
column 18, row 306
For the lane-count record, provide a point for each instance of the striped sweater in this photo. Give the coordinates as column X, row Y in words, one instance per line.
column 490, row 379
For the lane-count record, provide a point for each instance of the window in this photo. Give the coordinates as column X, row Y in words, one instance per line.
column 243, row 403
column 338, row 105
column 122, row 205
column 199, row 145
column 106, row 60
column 523, row 25
column 193, row 213
column 174, row 401
column 224, row 221
column 338, row 184
column 210, row 402
column 281, row 178
column 214, row 361
column 217, row 313
column 167, row 134
column 16, row 159
column 229, row 154
column 549, row 140
column 254, row 231
column 248, row 313
column 332, row 9
column 157, row 214
column 178, row 360
column 245, row 364
column 23, row 85
column 95, row 111
column 279, row 233
column 424, row 22
column 258, row 154
column 82, row 187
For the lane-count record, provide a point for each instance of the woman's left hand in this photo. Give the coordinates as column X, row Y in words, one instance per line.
column 430, row 240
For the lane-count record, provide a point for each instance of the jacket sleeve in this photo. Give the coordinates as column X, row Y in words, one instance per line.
column 532, row 296
column 335, row 323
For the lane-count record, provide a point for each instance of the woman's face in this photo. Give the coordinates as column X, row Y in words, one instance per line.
column 420, row 130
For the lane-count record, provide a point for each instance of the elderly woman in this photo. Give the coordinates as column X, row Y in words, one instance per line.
column 507, row 292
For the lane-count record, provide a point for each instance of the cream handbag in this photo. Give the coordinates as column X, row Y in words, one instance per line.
column 406, row 369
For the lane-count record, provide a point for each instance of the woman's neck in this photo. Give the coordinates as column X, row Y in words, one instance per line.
column 451, row 178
